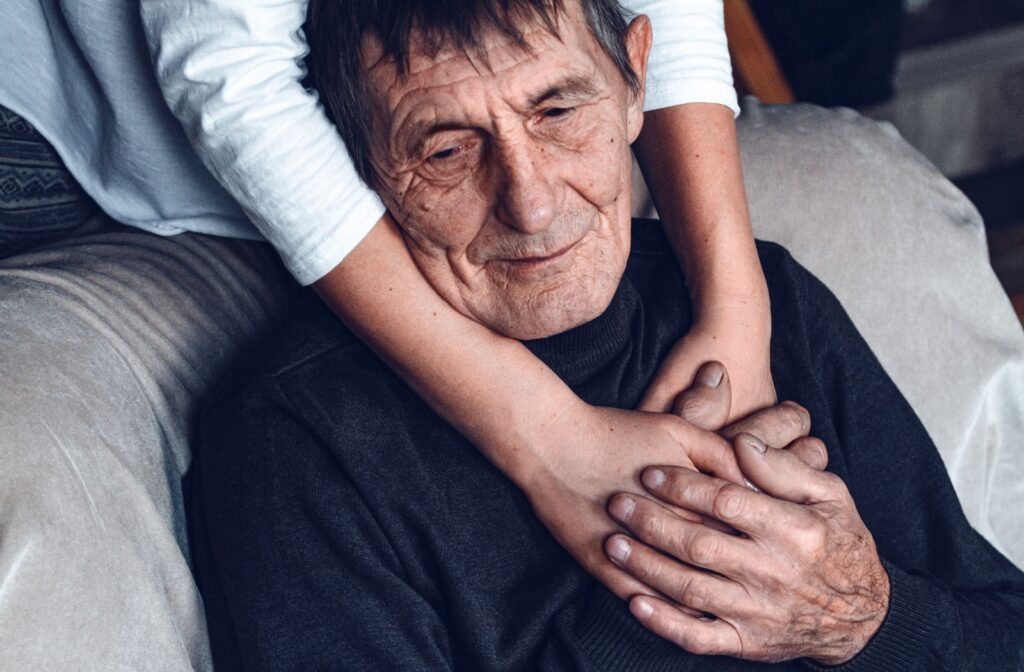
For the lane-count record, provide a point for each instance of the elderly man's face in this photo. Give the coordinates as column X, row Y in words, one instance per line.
column 509, row 171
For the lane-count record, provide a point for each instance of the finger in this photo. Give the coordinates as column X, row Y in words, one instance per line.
column 784, row 475
column 684, row 585
column 811, row 451
column 703, row 637
column 707, row 402
column 750, row 512
column 777, row 426
column 620, row 582
column 711, row 454
column 693, row 543
column 624, row 585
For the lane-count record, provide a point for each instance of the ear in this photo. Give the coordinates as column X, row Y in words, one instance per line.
column 638, row 47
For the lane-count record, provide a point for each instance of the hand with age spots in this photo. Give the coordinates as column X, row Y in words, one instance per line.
column 799, row 578
column 569, row 496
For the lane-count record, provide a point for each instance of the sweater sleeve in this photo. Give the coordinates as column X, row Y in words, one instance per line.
column 689, row 60
column 295, row 570
column 231, row 71
column 956, row 603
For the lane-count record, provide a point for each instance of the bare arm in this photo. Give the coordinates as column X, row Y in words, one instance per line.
column 690, row 159
column 230, row 71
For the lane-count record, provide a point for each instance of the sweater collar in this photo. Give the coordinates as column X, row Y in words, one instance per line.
column 577, row 354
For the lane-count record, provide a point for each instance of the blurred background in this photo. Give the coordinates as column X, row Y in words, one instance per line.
column 949, row 74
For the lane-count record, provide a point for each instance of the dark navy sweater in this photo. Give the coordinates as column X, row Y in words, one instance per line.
column 339, row 524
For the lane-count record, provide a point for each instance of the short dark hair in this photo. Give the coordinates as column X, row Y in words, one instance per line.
column 335, row 29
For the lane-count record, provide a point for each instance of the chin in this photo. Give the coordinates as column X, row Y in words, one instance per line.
column 556, row 311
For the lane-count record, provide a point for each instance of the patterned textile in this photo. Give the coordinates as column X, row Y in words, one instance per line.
column 39, row 199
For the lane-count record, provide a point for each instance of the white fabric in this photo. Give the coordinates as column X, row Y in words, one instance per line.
column 109, row 342
column 231, row 70
column 689, row 60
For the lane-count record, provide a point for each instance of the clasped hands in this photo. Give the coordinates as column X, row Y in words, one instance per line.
column 760, row 555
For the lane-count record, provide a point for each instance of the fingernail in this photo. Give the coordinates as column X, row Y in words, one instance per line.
column 642, row 608
column 622, row 508
column 751, row 485
column 619, row 549
column 756, row 443
column 711, row 376
column 653, row 478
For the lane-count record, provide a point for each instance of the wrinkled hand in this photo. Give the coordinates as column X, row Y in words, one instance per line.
column 804, row 580
column 603, row 450
column 706, row 404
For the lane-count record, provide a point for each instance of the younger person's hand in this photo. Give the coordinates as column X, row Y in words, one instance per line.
column 706, row 404
column 738, row 337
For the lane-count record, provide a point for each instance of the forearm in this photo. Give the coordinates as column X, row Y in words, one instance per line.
column 690, row 158
column 491, row 388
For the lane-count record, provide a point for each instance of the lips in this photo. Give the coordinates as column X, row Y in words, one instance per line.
column 540, row 259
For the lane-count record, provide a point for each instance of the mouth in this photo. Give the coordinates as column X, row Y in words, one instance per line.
column 536, row 262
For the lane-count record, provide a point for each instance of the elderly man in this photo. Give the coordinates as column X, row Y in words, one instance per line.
column 340, row 524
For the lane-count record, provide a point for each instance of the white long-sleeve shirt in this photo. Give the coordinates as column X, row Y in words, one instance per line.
column 231, row 71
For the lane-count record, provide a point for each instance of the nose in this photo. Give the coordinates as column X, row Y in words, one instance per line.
column 526, row 195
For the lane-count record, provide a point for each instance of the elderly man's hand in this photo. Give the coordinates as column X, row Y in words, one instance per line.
column 802, row 580
column 607, row 449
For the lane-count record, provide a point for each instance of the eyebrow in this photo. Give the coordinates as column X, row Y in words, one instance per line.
column 570, row 86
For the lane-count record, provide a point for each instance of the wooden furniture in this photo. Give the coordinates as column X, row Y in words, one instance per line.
column 756, row 68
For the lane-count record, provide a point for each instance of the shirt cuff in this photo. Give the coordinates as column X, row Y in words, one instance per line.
column 915, row 606
column 681, row 92
column 321, row 255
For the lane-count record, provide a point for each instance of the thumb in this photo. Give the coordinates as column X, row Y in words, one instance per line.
column 781, row 473
column 708, row 400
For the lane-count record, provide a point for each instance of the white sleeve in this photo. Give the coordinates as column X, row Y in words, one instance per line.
column 690, row 57
column 231, row 71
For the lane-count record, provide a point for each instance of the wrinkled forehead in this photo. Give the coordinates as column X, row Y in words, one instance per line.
column 454, row 76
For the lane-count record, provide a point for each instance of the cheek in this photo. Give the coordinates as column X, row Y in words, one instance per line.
column 602, row 165
column 440, row 223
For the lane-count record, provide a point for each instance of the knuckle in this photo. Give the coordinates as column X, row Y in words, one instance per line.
column 651, row 527
column 730, row 502
column 810, row 534
column 673, row 426
column 671, row 489
column 834, row 486
column 647, row 526
column 701, row 645
column 815, row 447
column 648, row 567
column 796, row 417
column 694, row 595
column 704, row 549
column 690, row 406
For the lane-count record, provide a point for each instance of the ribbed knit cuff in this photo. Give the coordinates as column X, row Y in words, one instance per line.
column 915, row 612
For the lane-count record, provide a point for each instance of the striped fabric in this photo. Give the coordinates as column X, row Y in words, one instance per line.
column 39, row 199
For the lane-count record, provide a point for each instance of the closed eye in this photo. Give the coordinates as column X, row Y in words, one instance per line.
column 557, row 112
column 447, row 153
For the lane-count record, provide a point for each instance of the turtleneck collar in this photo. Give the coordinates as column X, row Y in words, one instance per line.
column 575, row 355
